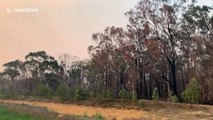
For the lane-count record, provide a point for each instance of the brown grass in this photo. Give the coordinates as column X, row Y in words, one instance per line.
column 127, row 110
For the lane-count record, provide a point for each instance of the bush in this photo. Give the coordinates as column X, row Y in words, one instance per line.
column 1, row 93
column 8, row 93
column 98, row 116
column 63, row 92
column 92, row 94
column 80, row 94
column 124, row 94
column 173, row 99
column 107, row 94
column 141, row 103
column 42, row 91
column 134, row 96
column 96, row 94
column 155, row 95
column 192, row 92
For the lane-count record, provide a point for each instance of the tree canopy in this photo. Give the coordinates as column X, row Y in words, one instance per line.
column 165, row 45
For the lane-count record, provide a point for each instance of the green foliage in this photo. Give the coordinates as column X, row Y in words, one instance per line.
column 42, row 91
column 124, row 94
column 141, row 103
column 192, row 92
column 98, row 116
column 155, row 95
column 92, row 94
column 12, row 69
column 173, row 98
column 19, row 112
column 1, row 93
column 107, row 94
column 7, row 93
column 5, row 115
column 134, row 96
column 72, row 91
column 63, row 92
column 25, row 112
column 80, row 94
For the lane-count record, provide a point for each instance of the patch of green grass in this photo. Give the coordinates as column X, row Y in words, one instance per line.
column 25, row 112
column 8, row 115
column 98, row 116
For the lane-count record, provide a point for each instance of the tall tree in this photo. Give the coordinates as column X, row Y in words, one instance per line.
column 12, row 70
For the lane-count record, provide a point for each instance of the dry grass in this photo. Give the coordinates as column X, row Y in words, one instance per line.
column 127, row 110
column 26, row 112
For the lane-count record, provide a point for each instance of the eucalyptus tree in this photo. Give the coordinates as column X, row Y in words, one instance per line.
column 108, row 58
column 44, row 68
column 200, row 20
column 159, row 21
column 13, row 70
column 66, row 62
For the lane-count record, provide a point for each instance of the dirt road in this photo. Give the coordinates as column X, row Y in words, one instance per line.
column 71, row 109
column 152, row 111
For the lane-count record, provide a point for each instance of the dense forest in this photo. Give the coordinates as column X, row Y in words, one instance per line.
column 165, row 50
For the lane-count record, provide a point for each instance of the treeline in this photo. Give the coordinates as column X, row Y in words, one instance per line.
column 167, row 46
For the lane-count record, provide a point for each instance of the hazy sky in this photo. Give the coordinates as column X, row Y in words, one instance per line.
column 60, row 26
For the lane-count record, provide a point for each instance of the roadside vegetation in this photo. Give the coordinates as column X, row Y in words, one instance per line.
column 116, row 109
column 26, row 112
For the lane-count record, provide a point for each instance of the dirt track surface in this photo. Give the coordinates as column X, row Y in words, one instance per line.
column 71, row 109
column 151, row 111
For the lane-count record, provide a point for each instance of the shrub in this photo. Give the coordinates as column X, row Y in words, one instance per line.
column 155, row 95
column 141, row 103
column 92, row 94
column 134, row 96
column 96, row 94
column 42, row 91
column 98, row 116
column 173, row 98
column 192, row 92
column 72, row 91
column 80, row 94
column 8, row 93
column 1, row 93
column 107, row 94
column 63, row 92
column 124, row 94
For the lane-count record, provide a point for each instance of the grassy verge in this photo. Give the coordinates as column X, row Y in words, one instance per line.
column 158, row 109
column 25, row 112
column 113, row 103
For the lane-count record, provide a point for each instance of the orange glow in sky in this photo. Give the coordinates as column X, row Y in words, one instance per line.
column 60, row 26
